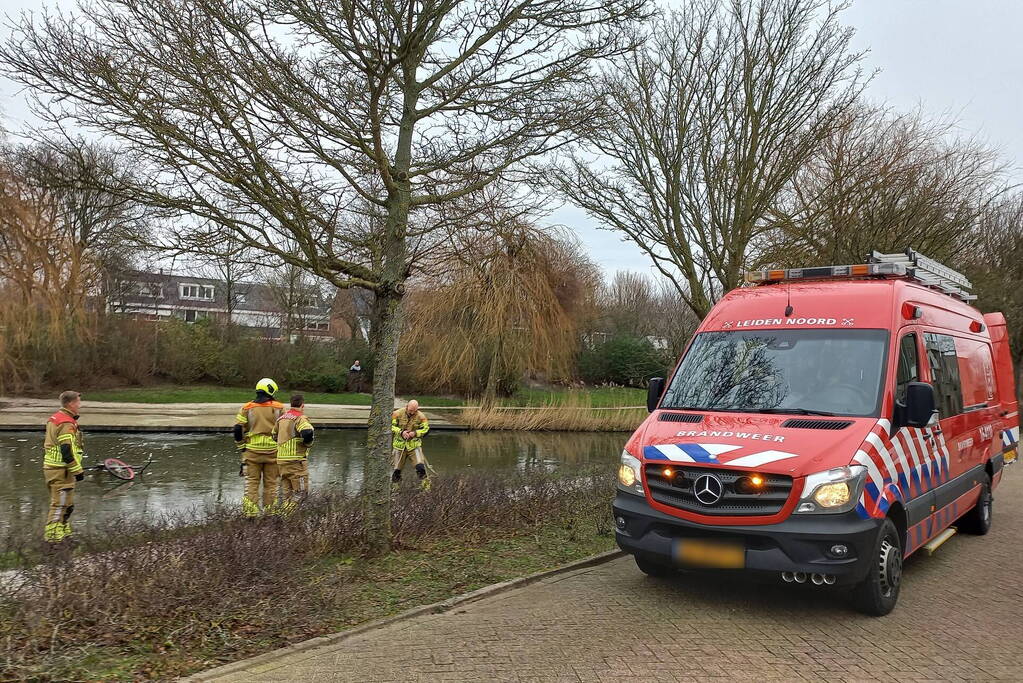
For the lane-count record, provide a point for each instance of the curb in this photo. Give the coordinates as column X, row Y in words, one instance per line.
column 435, row 608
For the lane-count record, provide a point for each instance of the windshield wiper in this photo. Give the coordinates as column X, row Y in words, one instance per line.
column 706, row 410
column 792, row 411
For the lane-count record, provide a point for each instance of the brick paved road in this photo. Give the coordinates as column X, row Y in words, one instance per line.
column 959, row 618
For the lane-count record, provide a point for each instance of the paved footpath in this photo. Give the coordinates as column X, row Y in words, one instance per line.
column 959, row 618
column 30, row 414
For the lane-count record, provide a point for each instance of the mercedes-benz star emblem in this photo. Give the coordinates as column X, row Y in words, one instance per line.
column 708, row 489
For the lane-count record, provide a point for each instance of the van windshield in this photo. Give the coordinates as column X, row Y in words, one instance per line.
column 831, row 372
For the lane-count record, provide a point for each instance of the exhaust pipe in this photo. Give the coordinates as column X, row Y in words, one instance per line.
column 787, row 577
column 818, row 579
column 800, row 577
column 830, row 579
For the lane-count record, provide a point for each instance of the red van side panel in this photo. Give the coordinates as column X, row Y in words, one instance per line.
column 1005, row 379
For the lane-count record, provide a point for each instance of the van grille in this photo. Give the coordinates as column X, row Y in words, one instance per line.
column 679, row 417
column 798, row 423
column 678, row 491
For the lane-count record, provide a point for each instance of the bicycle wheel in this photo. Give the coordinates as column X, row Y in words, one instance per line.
column 119, row 469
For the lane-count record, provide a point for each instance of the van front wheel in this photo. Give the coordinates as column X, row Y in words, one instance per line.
column 877, row 594
column 978, row 519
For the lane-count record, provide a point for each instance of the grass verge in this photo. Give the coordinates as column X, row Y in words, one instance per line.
column 159, row 600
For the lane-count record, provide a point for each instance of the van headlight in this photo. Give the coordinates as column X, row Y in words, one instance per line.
column 831, row 491
column 630, row 474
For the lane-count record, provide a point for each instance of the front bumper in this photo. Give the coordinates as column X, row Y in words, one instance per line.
column 798, row 544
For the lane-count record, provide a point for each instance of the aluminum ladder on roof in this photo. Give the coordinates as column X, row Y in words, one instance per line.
column 929, row 272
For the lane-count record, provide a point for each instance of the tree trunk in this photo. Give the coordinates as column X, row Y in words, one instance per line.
column 376, row 486
column 377, row 469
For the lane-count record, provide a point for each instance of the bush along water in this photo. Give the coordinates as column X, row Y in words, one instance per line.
column 156, row 598
column 174, row 351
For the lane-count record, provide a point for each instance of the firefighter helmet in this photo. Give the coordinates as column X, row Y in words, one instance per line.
column 267, row 386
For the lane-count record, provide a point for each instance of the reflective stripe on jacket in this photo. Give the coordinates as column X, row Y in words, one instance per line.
column 258, row 420
column 288, row 434
column 62, row 427
column 401, row 421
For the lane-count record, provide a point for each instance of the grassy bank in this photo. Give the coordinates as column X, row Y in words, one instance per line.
column 602, row 397
column 143, row 599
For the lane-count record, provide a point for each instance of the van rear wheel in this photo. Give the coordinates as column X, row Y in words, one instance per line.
column 978, row 519
column 652, row 567
column 877, row 594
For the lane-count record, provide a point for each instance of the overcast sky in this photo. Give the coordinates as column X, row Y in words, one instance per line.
column 961, row 58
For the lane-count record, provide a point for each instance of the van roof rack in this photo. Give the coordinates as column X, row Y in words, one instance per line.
column 910, row 265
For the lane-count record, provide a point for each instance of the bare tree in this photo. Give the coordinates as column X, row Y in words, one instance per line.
column 709, row 122
column 882, row 181
column 992, row 255
column 61, row 236
column 237, row 265
column 628, row 304
column 271, row 119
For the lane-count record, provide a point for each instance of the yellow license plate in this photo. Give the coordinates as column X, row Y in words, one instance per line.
column 1010, row 456
column 691, row 552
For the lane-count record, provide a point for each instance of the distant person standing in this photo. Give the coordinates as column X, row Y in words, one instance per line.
column 62, row 465
column 355, row 376
column 253, row 434
column 294, row 434
column 409, row 425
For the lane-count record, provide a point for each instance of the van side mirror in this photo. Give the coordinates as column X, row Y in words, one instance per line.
column 653, row 393
column 919, row 407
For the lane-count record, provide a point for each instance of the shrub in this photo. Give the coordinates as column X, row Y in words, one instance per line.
column 205, row 582
column 628, row 361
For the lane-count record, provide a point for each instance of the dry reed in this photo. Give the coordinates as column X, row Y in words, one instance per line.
column 575, row 414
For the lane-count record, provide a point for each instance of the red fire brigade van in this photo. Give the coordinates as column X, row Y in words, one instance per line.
column 822, row 426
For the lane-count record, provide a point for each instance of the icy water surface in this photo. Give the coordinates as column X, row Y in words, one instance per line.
column 193, row 469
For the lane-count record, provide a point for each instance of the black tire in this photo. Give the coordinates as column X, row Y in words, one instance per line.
column 653, row 568
column 978, row 520
column 877, row 594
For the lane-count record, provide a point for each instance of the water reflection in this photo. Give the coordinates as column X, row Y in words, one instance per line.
column 193, row 469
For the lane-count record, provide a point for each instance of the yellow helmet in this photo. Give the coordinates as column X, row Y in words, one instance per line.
column 267, row 385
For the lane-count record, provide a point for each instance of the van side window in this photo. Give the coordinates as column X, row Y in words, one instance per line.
column 909, row 366
column 941, row 355
column 977, row 373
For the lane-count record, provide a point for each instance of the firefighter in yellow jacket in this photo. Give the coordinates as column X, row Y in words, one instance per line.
column 409, row 425
column 62, row 465
column 294, row 435
column 253, row 434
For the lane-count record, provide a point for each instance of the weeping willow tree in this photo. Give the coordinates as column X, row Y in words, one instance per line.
column 507, row 305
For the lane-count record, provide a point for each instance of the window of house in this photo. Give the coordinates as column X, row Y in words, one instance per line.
column 200, row 292
column 323, row 326
column 909, row 366
column 941, row 355
column 192, row 315
column 150, row 291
